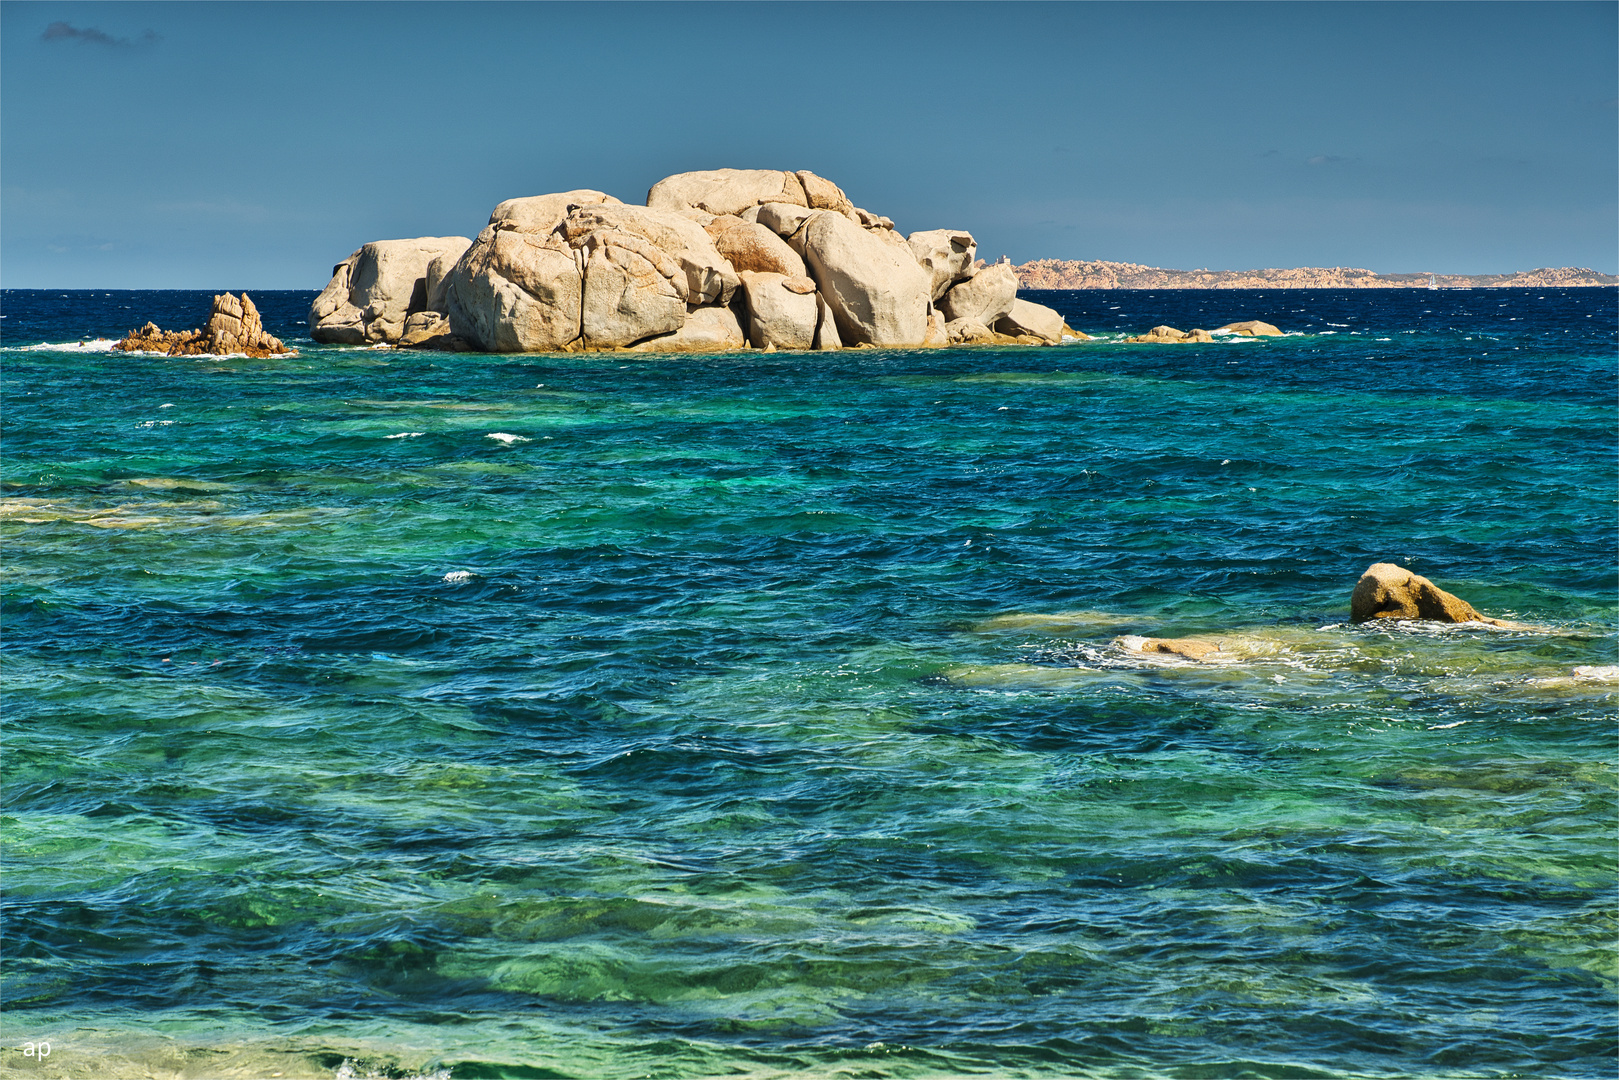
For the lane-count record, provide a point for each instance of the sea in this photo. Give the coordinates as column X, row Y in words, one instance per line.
column 375, row 713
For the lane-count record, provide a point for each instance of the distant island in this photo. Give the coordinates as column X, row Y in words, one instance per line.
column 1097, row 274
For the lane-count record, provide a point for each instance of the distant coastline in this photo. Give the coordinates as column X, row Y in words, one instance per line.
column 1097, row 274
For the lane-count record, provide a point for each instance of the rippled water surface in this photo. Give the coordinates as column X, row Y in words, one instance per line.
column 387, row 713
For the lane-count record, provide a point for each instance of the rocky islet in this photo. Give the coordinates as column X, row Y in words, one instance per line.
column 715, row 260
column 234, row 328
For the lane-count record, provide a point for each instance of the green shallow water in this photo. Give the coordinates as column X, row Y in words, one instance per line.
column 765, row 715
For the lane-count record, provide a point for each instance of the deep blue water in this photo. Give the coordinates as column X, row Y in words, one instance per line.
column 389, row 713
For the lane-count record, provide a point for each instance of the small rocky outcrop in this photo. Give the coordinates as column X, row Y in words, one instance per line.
column 1250, row 328
column 1387, row 591
column 770, row 258
column 234, row 329
column 374, row 291
column 1168, row 335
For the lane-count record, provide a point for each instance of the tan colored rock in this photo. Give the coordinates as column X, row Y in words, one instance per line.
column 1388, row 591
column 878, row 294
column 827, row 338
column 968, row 332
column 784, row 220
column 430, row 330
column 516, row 291
column 779, row 315
column 1028, row 319
column 985, row 297
column 935, row 338
column 1197, row 649
column 376, row 288
column 823, row 194
column 709, row 277
column 234, row 328
column 751, row 246
column 1250, row 328
column 626, row 297
column 540, row 214
column 946, row 254
column 725, row 191
column 1168, row 335
column 706, row 329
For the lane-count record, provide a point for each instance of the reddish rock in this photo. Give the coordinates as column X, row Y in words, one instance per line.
column 234, row 327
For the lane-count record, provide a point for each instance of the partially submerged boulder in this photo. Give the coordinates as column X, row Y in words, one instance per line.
column 1387, row 591
column 1027, row 319
column 234, row 328
column 1249, row 328
column 1168, row 335
column 1197, row 649
column 377, row 288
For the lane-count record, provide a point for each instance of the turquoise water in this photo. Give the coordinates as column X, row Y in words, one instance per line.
column 763, row 715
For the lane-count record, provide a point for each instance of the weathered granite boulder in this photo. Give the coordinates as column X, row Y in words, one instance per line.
column 542, row 213
column 877, row 293
column 706, row 329
column 703, row 276
column 430, row 330
column 628, row 295
column 726, row 191
column 1387, row 591
column 519, row 287
column 1028, row 319
column 783, row 312
column 786, row 221
column 827, row 338
column 747, row 245
column 823, row 194
column 984, row 297
column 968, row 332
column 946, row 254
column 234, row 328
column 374, row 290
column 1250, row 328
column 1168, row 335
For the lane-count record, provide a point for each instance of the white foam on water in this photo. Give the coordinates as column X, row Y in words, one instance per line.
column 405, row 435
column 1599, row 672
column 95, row 345
column 507, row 437
column 155, row 423
column 455, row 577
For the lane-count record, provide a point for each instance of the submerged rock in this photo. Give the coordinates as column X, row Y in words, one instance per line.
column 1387, row 591
column 234, row 327
column 1186, row 648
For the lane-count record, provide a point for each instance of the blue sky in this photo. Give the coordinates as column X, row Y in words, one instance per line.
column 202, row 145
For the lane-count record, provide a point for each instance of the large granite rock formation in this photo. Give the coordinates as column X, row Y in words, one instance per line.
column 778, row 259
column 234, row 329
column 1387, row 591
column 374, row 290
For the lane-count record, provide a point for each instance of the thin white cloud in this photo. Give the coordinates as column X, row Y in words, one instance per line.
column 89, row 35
